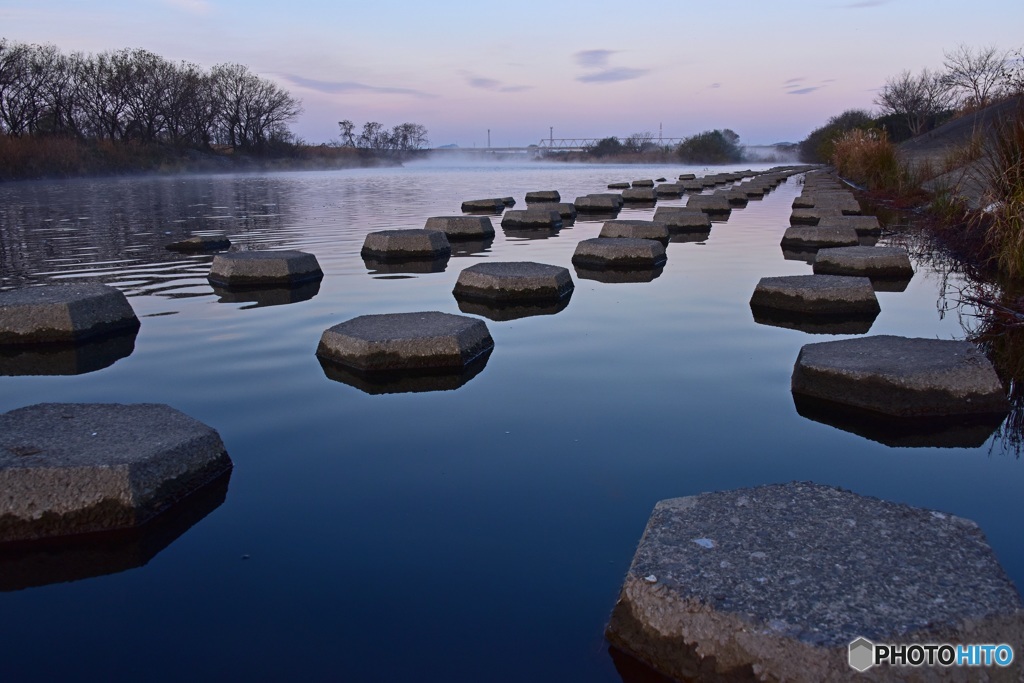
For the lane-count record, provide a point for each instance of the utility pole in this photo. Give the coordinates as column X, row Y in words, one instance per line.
column 488, row 138
column 551, row 138
column 659, row 135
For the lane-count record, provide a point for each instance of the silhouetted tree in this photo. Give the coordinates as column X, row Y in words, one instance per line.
column 710, row 147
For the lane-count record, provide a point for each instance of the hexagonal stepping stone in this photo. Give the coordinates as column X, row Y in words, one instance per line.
column 532, row 219
column 680, row 219
column 814, row 237
column 618, row 186
column 63, row 313
column 736, row 198
column 406, row 341
column 494, row 205
column 816, row 294
column 599, row 203
column 692, row 185
column 566, row 210
column 639, row 195
column 619, row 253
column 669, row 191
column 70, row 468
column 514, row 281
column 811, row 216
column 864, row 225
column 901, row 376
column 200, row 243
column 643, row 230
column 711, row 204
column 543, row 196
column 508, row 201
column 462, row 227
column 687, row 176
column 264, row 268
column 646, row 182
column 752, row 191
column 873, row 262
column 406, row 245
column 781, row 579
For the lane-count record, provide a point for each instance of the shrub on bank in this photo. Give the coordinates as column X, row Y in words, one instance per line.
column 711, row 147
column 868, row 158
column 1003, row 167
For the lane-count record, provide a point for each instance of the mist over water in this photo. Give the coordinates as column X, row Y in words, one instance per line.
column 474, row 528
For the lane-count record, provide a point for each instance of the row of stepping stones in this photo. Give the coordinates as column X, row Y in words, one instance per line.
column 798, row 581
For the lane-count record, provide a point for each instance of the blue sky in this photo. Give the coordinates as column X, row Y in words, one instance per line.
column 771, row 71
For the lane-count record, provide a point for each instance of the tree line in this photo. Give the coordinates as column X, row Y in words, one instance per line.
column 404, row 137
column 135, row 95
column 708, row 147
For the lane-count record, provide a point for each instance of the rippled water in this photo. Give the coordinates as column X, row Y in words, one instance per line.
column 479, row 533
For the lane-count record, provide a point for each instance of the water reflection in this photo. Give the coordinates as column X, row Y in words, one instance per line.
column 890, row 285
column 67, row 359
column 410, row 381
column 619, row 276
column 411, row 266
column 814, row 324
column 40, row 563
column 504, row 312
column 267, row 296
column 805, row 255
column 943, row 432
column 531, row 233
column 471, row 247
column 682, row 237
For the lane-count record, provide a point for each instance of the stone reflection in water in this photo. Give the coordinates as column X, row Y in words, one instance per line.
column 405, row 267
column 944, row 432
column 814, row 324
column 619, row 276
column 632, row 670
column 404, row 382
column 506, row 312
column 471, row 247
column 267, row 296
column 890, row 285
column 683, row 237
column 69, row 358
column 73, row 558
column 805, row 255
column 531, row 234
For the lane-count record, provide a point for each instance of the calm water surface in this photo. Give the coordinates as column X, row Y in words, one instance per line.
column 472, row 534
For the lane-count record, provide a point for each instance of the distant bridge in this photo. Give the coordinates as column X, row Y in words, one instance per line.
column 580, row 144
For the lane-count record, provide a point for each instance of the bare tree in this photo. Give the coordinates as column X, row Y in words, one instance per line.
column 917, row 98
column 975, row 75
column 1013, row 73
column 348, row 138
column 638, row 142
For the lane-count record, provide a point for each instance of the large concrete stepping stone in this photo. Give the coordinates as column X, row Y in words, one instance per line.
column 599, row 203
column 812, row 216
column 776, row 582
column 515, row 281
column 543, row 197
column 462, row 227
column 199, row 243
column 736, row 198
column 901, row 376
column 815, row 237
column 816, row 294
column 643, row 230
column 644, row 182
column 891, row 263
column 567, row 210
column 639, row 195
column 619, row 253
column 494, row 205
column 63, row 313
column 396, row 342
column 687, row 176
column 618, row 186
column 669, row 191
column 711, row 204
column 864, row 225
column 406, row 245
column 692, row 185
column 70, row 468
column 680, row 219
column 264, row 268
column 532, row 219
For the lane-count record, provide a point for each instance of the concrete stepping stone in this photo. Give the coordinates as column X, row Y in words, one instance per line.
column 599, row 203
column 509, row 202
column 811, row 216
column 393, row 342
column 874, row 262
column 619, row 253
column 752, row 191
column 63, row 313
column 669, row 191
column 513, row 281
column 532, row 219
column 566, row 210
column 680, row 219
column 814, row 237
column 406, row 245
column 711, row 204
column 618, row 186
column 864, row 225
column 782, row 579
column 200, row 243
column 692, row 185
column 639, row 195
column 901, row 376
column 816, row 294
column 642, row 183
column 687, row 176
column 494, row 205
column 543, row 196
column 260, row 297
column 264, row 268
column 462, row 227
column 644, row 230
column 736, row 198
column 71, row 468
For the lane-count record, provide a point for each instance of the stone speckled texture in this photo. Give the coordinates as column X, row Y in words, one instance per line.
column 63, row 313
column 642, row 230
column 543, row 196
column 598, row 203
column 260, row 268
column 880, row 262
column 907, row 377
column 818, row 294
column 462, row 227
column 670, row 190
column 619, row 253
column 566, row 210
column 813, row 237
column 513, row 281
column 679, row 219
column 864, row 225
column 713, row 204
column 639, row 195
column 533, row 219
column 773, row 583
column 406, row 341
column 406, row 244
column 200, row 243
column 493, row 205
column 812, row 216
column 68, row 468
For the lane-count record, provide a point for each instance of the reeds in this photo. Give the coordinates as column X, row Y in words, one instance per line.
column 868, row 158
column 1003, row 170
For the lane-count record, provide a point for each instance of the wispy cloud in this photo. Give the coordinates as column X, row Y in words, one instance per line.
column 803, row 91
column 613, row 75
column 793, row 81
column 593, row 59
column 493, row 84
column 715, row 86
column 191, row 6
column 336, row 87
column 861, row 4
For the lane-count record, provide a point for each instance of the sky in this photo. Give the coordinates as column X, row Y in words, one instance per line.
column 771, row 71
